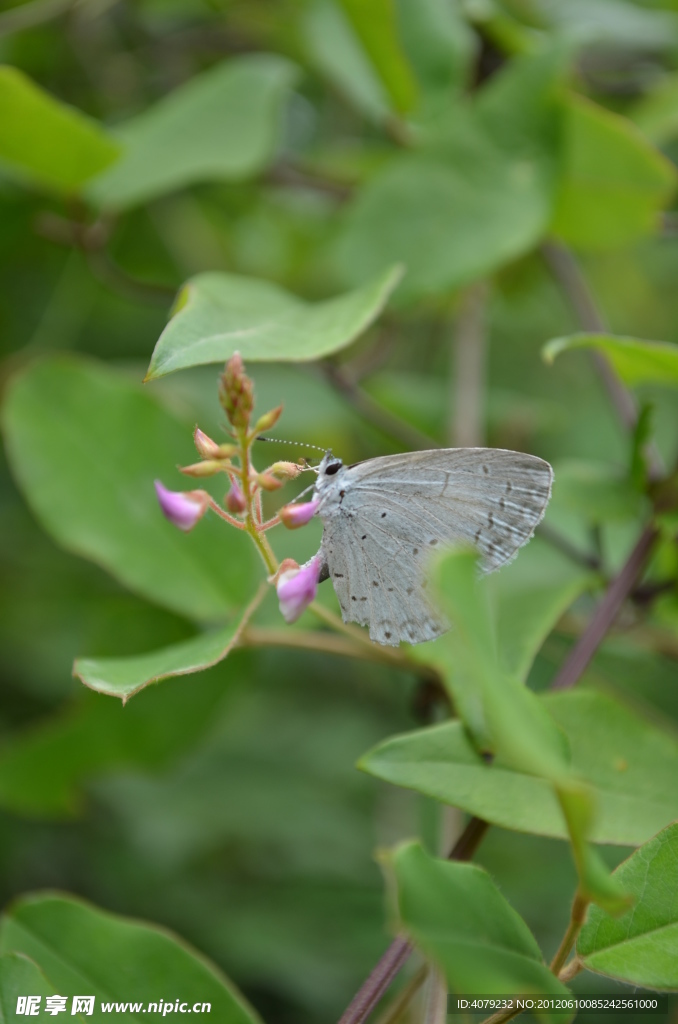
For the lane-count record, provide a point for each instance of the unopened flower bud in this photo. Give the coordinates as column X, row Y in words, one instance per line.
column 268, row 482
column 268, row 420
column 288, row 470
column 182, row 508
column 297, row 588
column 235, row 499
column 294, row 516
column 208, row 468
column 236, row 393
column 207, row 448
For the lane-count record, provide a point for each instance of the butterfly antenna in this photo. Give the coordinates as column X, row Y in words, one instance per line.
column 297, row 444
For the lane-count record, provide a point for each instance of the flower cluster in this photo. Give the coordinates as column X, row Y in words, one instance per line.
column 242, row 504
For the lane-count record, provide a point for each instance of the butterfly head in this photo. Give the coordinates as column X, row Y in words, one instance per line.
column 329, row 466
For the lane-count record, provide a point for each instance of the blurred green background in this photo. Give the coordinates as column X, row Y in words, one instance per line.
column 226, row 805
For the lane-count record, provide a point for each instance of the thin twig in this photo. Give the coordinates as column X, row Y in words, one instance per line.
column 329, row 643
column 570, row 971
column 394, row 1010
column 578, row 916
column 369, row 994
column 468, row 369
column 557, row 540
column 568, row 274
column 293, row 176
column 435, row 1007
column 375, row 413
column 607, row 611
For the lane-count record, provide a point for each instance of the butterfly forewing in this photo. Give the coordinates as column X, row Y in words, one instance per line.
column 382, row 518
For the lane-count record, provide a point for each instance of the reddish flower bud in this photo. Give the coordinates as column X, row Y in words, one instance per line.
column 182, row 508
column 268, row 420
column 267, row 482
column 235, row 499
column 288, row 470
column 208, row 468
column 236, row 393
column 294, row 516
column 207, row 448
column 297, row 588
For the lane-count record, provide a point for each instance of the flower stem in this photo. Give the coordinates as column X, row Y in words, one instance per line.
column 579, row 907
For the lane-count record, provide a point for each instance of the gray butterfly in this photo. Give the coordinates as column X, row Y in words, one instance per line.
column 382, row 518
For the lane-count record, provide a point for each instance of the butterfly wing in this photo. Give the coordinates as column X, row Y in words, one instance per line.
column 395, row 510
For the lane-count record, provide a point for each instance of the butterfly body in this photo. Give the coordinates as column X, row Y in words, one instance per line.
column 384, row 517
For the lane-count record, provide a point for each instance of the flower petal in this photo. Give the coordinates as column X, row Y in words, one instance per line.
column 297, row 588
column 182, row 508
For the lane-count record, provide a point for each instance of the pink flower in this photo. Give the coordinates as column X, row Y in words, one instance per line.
column 297, row 588
column 182, row 508
column 293, row 516
column 235, row 499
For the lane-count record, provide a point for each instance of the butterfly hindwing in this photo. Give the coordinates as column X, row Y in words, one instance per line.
column 383, row 518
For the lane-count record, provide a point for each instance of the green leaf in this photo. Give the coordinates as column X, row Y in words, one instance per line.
column 636, row 361
column 456, row 915
column 82, row 949
column 20, row 976
column 614, row 181
column 629, row 764
column 516, row 725
column 222, row 125
column 477, row 194
column 334, row 49
column 123, row 677
column 656, row 114
column 46, row 141
column 85, row 444
column 528, row 598
column 642, row 946
column 375, row 26
column 596, row 491
column 44, row 767
column 219, row 314
column 439, row 43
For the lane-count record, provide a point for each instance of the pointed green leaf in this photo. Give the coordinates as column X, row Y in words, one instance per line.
column 85, row 444
column 219, row 314
column 46, row 141
column 123, row 677
column 629, row 764
column 221, row 125
column 642, row 946
column 84, row 950
column 20, row 976
column 614, row 181
column 456, row 915
column 376, row 28
column 335, row 50
column 636, row 361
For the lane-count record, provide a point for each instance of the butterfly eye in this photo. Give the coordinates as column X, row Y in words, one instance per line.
column 333, row 468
